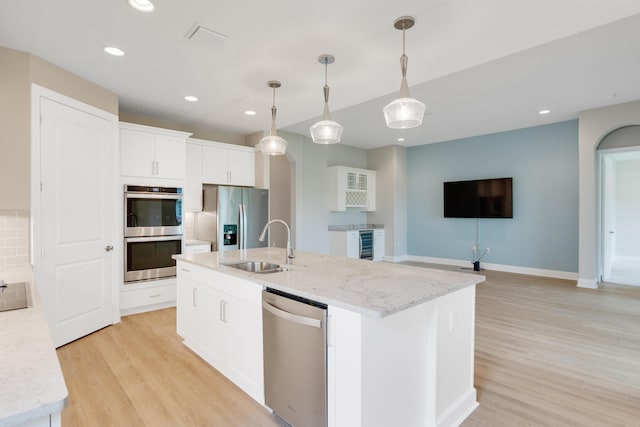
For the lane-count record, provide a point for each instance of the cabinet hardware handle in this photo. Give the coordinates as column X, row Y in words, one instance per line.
column 155, row 296
column 223, row 310
column 185, row 270
column 195, row 304
column 108, row 248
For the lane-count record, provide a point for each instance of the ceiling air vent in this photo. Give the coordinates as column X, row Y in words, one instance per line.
column 206, row 36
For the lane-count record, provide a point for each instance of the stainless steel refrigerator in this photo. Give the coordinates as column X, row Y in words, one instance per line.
column 232, row 217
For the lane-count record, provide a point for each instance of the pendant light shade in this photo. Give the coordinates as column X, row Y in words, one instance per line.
column 404, row 112
column 273, row 144
column 326, row 131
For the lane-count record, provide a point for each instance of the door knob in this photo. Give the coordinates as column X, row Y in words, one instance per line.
column 108, row 248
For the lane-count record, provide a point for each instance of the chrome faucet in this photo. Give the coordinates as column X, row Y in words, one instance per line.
column 290, row 254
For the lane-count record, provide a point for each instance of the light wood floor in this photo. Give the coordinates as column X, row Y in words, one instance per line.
column 547, row 354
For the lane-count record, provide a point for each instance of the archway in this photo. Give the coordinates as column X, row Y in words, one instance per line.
column 619, row 206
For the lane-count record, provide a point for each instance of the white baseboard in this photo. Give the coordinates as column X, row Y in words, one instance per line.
column 398, row 258
column 459, row 410
column 498, row 267
column 588, row 283
column 145, row 308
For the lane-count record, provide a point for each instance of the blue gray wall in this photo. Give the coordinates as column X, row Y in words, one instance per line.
column 543, row 162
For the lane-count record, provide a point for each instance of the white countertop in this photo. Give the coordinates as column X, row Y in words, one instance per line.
column 374, row 289
column 31, row 381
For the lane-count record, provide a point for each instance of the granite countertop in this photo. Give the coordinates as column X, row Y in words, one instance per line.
column 349, row 227
column 374, row 289
column 31, row 381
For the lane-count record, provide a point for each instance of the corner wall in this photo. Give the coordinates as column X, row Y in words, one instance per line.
column 18, row 71
column 594, row 125
column 15, row 131
column 390, row 163
column 543, row 233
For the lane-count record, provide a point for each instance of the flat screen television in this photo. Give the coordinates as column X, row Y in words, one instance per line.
column 483, row 198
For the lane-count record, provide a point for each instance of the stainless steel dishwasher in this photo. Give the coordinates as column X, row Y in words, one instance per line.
column 295, row 358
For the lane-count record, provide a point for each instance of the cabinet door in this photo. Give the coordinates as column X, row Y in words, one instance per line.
column 243, row 333
column 186, row 309
column 136, row 153
column 215, row 165
column 378, row 245
column 192, row 192
column 353, row 244
column 212, row 305
column 242, row 168
column 371, row 192
column 169, row 157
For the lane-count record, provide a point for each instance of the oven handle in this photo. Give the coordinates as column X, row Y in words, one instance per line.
column 151, row 238
column 153, row 196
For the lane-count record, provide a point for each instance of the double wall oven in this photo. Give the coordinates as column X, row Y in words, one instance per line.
column 152, row 232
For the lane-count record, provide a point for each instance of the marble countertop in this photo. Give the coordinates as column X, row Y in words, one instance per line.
column 31, row 381
column 374, row 289
column 350, row 227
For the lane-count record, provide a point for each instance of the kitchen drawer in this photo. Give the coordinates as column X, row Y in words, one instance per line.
column 231, row 285
column 147, row 296
column 196, row 249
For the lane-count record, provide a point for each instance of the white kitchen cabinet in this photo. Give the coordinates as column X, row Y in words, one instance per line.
column 146, row 296
column 378, row 245
column 228, row 164
column 347, row 243
column 211, row 162
column 196, row 247
column 220, row 318
column 351, row 188
column 150, row 152
column 192, row 191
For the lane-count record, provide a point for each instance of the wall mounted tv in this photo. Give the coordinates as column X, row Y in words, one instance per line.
column 484, row 198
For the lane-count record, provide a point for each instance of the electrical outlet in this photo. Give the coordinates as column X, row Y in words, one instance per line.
column 488, row 250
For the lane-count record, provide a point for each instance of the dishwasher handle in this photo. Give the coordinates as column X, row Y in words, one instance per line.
column 301, row 320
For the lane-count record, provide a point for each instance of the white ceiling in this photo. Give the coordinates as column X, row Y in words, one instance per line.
column 480, row 66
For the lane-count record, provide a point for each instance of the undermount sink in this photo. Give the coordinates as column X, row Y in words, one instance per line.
column 256, row 266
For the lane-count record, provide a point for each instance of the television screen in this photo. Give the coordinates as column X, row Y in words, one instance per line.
column 485, row 198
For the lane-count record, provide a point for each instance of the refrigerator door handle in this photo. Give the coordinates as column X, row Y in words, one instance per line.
column 244, row 226
column 240, row 227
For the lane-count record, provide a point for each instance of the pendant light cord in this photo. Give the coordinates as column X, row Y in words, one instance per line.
column 273, row 114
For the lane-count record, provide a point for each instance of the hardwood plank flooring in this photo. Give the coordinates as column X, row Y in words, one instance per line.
column 547, row 354
column 138, row 373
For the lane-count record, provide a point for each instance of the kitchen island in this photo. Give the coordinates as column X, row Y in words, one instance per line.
column 400, row 338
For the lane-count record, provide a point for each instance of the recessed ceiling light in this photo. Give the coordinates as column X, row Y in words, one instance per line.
column 112, row 50
column 544, row 111
column 250, row 113
column 400, row 139
column 142, row 5
column 191, row 98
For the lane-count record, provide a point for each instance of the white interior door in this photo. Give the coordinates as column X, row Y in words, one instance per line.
column 608, row 215
column 74, row 266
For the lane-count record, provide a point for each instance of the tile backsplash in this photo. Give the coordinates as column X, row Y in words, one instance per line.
column 14, row 239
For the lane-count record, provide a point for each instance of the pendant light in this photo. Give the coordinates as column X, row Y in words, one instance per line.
column 404, row 112
column 273, row 144
column 326, row 131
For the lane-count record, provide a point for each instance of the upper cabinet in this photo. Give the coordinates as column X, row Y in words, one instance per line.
column 150, row 152
column 352, row 188
column 228, row 164
column 215, row 163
